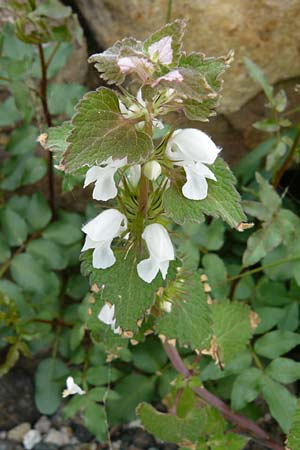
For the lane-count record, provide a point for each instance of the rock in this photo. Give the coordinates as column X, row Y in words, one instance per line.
column 9, row 445
column 267, row 31
column 142, row 439
column 16, row 399
column 31, row 438
column 82, row 434
column 46, row 446
column 43, row 425
column 59, row 438
column 3, row 435
column 17, row 433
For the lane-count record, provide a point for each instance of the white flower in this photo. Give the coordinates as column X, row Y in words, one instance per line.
column 134, row 174
column 106, row 315
column 140, row 66
column 100, row 232
column 72, row 388
column 138, row 109
column 161, row 252
column 166, row 306
column 105, row 186
column 192, row 149
column 161, row 51
column 152, row 170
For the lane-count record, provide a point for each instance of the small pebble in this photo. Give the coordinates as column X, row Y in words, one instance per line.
column 17, row 433
column 57, row 437
column 3, row 435
column 82, row 434
column 134, row 424
column 31, row 438
column 116, row 445
column 44, row 446
column 43, row 425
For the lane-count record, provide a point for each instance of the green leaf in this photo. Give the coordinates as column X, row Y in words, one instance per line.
column 281, row 402
column 23, row 100
column 51, row 254
column 149, row 356
column 215, row 269
column 102, row 375
column 267, row 125
column 63, row 233
column 195, row 110
column 222, row 200
column 258, row 76
column 101, row 131
column 56, row 140
column 4, row 249
column 35, row 168
column 269, row 317
column 231, row 328
column 171, row 428
column 53, row 9
column 14, row 227
column 124, row 288
column 284, row 370
column 71, row 93
column 276, row 343
column 38, row 213
column 293, row 439
column 175, row 31
column 49, row 381
column 189, row 320
column 22, row 140
column 245, row 388
column 133, row 389
column 95, row 420
column 9, row 114
column 27, row 272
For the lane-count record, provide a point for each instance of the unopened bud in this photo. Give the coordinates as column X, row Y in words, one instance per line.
column 152, row 170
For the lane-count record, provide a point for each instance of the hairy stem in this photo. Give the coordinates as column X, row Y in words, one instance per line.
column 48, row 120
column 244, row 425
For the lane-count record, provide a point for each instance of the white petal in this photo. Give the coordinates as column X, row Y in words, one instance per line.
column 158, row 242
column 152, row 170
column 105, row 187
column 163, row 267
column 140, row 98
column 70, row 383
column 193, row 145
column 205, row 171
column 147, row 269
column 106, row 315
column 92, row 175
column 162, row 50
column 196, row 185
column 89, row 243
column 72, row 388
column 106, row 225
column 103, row 256
column 166, row 306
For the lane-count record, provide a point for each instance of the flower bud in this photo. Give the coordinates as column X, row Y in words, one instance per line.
column 152, row 170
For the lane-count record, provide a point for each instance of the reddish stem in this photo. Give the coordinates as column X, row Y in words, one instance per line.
column 240, row 421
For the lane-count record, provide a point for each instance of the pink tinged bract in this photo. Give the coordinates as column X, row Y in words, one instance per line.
column 161, row 50
column 193, row 149
column 140, row 66
column 174, row 75
column 100, row 233
column 161, row 252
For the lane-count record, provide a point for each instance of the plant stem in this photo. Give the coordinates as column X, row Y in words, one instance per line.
column 169, row 11
column 48, row 120
column 53, row 53
column 243, row 424
column 287, row 161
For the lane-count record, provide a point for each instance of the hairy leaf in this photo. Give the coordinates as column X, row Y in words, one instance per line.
column 100, row 131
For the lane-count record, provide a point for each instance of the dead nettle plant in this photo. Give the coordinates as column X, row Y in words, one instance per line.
column 150, row 178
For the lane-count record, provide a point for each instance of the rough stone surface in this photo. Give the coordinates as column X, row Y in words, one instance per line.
column 17, row 433
column 267, row 31
column 16, row 399
column 10, row 445
column 43, row 425
column 57, row 437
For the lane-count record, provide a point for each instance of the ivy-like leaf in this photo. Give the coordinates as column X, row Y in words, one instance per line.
column 195, row 110
column 231, row 328
column 171, row 428
column 222, row 200
column 123, row 288
column 56, row 140
column 100, row 131
column 189, row 320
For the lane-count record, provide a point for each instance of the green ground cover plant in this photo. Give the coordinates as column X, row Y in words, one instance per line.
column 183, row 293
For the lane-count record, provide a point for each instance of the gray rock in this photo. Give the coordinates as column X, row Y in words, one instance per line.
column 17, row 433
column 16, row 399
column 45, row 446
column 265, row 30
column 43, row 425
column 10, row 445
column 31, row 438
column 56, row 437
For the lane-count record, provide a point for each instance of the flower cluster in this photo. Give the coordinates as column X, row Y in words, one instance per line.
column 188, row 148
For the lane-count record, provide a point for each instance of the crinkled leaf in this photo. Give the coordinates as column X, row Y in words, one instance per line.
column 100, row 131
column 222, row 200
column 56, row 140
column 195, row 110
column 189, row 320
column 124, row 288
column 231, row 328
